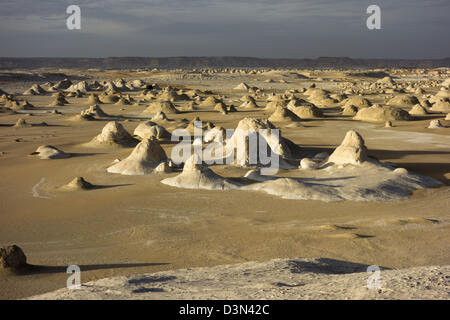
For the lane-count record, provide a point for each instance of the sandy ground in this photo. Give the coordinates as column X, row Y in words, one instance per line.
column 139, row 225
column 289, row 279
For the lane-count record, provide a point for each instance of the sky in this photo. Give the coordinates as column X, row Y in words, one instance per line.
column 410, row 29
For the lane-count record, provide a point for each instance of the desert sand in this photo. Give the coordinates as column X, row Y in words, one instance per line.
column 88, row 180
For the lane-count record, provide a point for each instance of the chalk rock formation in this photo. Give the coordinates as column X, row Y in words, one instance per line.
column 113, row 134
column 435, row 124
column 50, row 152
column 221, row 107
column 357, row 101
column 242, row 86
column 149, row 129
column 418, row 110
column 94, row 111
column 349, row 110
column 352, row 150
column 196, row 175
column 161, row 106
column 145, row 157
column 249, row 128
column 403, row 100
column 283, row 115
column 378, row 113
column 77, row 184
column 307, row 163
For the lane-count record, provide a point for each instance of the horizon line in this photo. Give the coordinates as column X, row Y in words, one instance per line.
column 241, row 57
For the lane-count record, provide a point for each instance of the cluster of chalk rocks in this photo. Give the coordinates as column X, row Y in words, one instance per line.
column 347, row 174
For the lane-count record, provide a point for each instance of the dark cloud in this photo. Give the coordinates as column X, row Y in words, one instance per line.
column 263, row 28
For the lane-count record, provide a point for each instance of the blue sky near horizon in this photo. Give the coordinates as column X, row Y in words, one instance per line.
column 257, row 28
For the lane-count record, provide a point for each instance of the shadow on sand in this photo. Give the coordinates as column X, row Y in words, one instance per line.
column 86, row 154
column 381, row 154
column 150, row 279
column 111, row 186
column 38, row 269
column 328, row 266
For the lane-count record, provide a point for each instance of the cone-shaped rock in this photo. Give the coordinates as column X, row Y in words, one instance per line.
column 78, row 183
column 351, row 151
column 196, row 175
column 147, row 155
column 114, row 134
